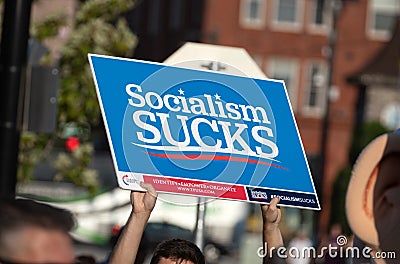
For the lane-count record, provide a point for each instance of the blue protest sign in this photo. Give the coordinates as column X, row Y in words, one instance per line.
column 202, row 133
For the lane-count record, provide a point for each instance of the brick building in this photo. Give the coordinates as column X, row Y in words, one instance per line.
column 289, row 39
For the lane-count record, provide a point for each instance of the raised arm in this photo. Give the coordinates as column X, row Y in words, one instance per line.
column 126, row 249
column 272, row 236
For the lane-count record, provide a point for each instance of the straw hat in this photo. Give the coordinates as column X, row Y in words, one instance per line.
column 373, row 194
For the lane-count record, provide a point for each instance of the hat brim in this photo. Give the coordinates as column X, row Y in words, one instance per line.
column 360, row 191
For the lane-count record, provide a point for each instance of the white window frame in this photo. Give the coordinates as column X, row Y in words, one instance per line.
column 295, row 26
column 248, row 22
column 324, row 28
column 274, row 64
column 318, row 109
column 376, row 34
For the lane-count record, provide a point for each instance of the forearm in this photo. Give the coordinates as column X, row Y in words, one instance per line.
column 273, row 240
column 126, row 249
column 272, row 235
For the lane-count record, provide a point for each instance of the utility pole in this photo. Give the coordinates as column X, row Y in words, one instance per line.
column 15, row 32
column 200, row 223
column 336, row 7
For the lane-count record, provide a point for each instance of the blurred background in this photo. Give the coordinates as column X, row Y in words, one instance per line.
column 339, row 59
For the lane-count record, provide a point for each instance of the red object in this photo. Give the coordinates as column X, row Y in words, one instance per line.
column 72, row 143
column 115, row 230
column 198, row 188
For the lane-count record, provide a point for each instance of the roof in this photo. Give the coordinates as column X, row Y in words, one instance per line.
column 231, row 60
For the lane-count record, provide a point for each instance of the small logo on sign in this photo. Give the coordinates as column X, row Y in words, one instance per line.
column 259, row 195
column 128, row 181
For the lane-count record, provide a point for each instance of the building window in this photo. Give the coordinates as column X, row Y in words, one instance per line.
column 252, row 13
column 288, row 15
column 285, row 69
column 382, row 17
column 286, row 11
column 320, row 16
column 316, row 88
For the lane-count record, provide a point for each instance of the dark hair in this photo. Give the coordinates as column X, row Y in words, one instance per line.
column 20, row 213
column 178, row 250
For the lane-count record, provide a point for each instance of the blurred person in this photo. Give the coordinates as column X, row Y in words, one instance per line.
column 167, row 252
column 335, row 232
column 178, row 250
column 300, row 242
column 31, row 232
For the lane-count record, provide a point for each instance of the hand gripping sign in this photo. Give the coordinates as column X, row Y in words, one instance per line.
column 202, row 133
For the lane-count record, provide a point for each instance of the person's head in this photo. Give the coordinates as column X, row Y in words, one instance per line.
column 31, row 232
column 177, row 251
column 373, row 194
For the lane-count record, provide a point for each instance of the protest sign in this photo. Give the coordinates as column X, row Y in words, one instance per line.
column 202, row 133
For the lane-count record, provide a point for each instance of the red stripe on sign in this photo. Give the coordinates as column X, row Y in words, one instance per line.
column 212, row 157
column 198, row 188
